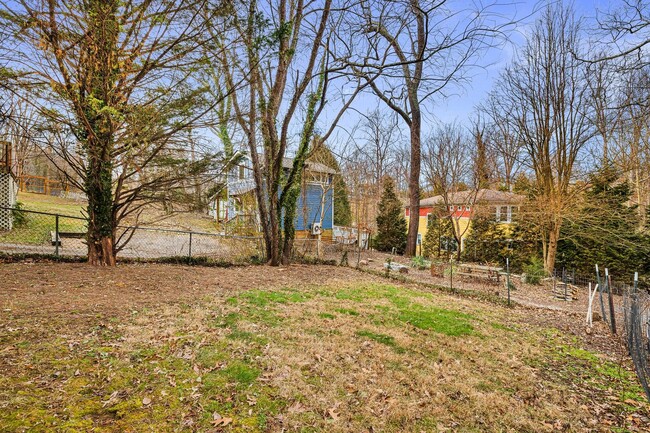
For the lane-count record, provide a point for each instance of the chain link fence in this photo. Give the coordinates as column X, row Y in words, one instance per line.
column 32, row 232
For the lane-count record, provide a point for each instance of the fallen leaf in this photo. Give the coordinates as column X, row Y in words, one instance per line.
column 146, row 401
column 221, row 422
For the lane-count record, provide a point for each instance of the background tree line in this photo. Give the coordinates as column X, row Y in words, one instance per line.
column 144, row 101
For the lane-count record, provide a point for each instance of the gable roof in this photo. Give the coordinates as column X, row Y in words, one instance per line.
column 312, row 166
column 482, row 196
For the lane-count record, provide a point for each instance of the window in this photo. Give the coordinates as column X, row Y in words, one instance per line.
column 429, row 219
column 451, row 208
column 468, row 208
column 503, row 214
column 419, row 238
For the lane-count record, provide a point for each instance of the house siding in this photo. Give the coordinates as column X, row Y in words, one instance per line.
column 308, row 208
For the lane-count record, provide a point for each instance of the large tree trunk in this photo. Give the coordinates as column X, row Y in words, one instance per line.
column 101, row 224
column 414, row 185
column 551, row 251
column 275, row 256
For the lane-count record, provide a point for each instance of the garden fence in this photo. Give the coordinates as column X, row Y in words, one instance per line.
column 31, row 232
column 630, row 318
column 636, row 306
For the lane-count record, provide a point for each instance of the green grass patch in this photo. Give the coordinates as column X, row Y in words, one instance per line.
column 447, row 322
column 384, row 339
column 241, row 373
column 263, row 298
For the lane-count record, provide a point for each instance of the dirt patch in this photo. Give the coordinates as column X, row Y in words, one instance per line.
column 37, row 288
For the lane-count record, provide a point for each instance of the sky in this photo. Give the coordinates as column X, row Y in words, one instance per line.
column 460, row 105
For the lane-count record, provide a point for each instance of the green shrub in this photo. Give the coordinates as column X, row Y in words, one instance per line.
column 420, row 263
column 19, row 216
column 534, row 270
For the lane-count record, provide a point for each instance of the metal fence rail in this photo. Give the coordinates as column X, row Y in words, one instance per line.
column 34, row 232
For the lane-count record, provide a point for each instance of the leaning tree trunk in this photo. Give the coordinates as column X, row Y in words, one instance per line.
column 414, row 185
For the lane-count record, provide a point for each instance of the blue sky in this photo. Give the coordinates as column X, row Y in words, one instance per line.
column 460, row 105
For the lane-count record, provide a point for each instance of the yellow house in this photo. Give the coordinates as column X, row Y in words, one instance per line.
column 462, row 206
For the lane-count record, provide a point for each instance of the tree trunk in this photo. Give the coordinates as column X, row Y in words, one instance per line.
column 275, row 256
column 551, row 251
column 414, row 184
column 101, row 224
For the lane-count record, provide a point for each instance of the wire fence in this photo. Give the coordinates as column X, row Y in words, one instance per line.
column 625, row 308
column 637, row 332
column 32, row 232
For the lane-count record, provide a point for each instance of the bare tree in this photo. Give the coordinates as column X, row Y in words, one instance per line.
column 408, row 52
column 504, row 142
column 21, row 123
column 626, row 30
column 603, row 94
column 279, row 81
column 630, row 145
column 449, row 165
column 379, row 134
column 548, row 97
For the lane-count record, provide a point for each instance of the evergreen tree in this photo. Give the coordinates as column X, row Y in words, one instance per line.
column 437, row 228
column 605, row 231
column 486, row 242
column 391, row 224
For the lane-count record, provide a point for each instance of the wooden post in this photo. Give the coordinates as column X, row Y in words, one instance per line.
column 507, row 278
column 611, row 304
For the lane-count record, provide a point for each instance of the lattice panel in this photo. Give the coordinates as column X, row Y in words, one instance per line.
column 8, row 189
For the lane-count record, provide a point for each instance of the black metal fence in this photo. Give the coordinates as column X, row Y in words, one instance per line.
column 32, row 232
column 625, row 308
column 636, row 306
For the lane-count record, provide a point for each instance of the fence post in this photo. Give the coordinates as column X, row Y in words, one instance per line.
column 57, row 239
column 611, row 304
column 601, row 289
column 508, row 278
column 190, row 247
column 451, row 274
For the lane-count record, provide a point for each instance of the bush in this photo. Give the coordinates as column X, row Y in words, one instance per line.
column 534, row 270
column 20, row 217
column 420, row 263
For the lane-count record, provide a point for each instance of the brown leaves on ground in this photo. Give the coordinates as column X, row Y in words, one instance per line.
column 302, row 348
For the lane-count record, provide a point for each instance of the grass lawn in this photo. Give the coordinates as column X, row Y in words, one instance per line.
column 35, row 229
column 152, row 216
column 50, row 204
column 309, row 349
